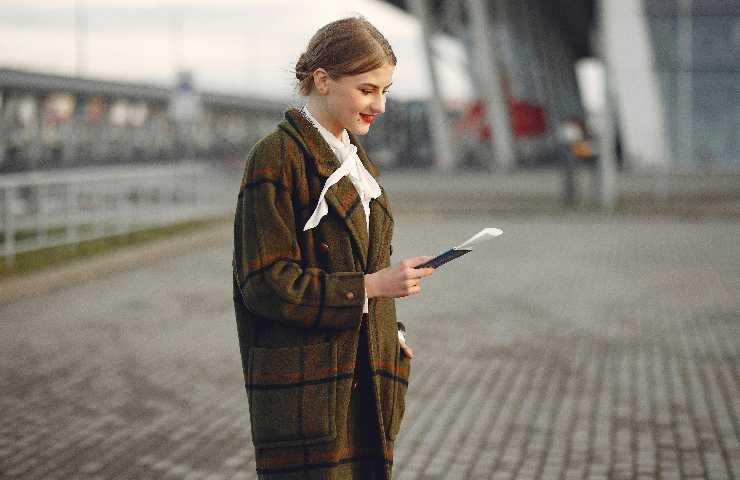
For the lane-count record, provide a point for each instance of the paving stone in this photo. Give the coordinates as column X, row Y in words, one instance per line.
column 571, row 347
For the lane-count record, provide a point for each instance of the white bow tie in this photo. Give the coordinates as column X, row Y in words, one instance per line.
column 351, row 165
column 365, row 184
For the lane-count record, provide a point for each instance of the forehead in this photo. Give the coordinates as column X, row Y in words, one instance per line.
column 381, row 76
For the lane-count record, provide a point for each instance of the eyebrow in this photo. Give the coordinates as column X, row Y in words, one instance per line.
column 368, row 84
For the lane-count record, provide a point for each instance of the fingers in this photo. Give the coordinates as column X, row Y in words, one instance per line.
column 403, row 279
column 411, row 277
column 411, row 263
column 408, row 291
column 406, row 350
column 424, row 272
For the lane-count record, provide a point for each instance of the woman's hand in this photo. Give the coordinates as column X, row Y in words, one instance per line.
column 405, row 349
column 399, row 280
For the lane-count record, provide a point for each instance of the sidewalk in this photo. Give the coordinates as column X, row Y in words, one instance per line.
column 692, row 196
column 576, row 346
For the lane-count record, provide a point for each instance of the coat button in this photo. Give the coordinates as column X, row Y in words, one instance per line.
column 350, row 296
column 323, row 247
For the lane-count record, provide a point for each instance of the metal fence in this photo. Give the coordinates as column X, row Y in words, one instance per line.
column 66, row 207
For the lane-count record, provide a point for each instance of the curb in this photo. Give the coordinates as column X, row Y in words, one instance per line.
column 724, row 207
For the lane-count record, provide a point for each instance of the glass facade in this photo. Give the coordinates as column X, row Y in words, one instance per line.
column 697, row 57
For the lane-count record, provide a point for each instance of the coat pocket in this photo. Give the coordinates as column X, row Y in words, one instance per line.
column 292, row 394
column 401, row 382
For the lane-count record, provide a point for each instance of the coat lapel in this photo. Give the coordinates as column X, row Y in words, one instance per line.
column 342, row 197
column 380, row 216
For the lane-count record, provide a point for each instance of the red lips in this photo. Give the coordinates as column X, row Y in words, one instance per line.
column 367, row 118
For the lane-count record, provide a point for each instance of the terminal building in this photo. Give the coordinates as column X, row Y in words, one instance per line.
column 660, row 77
column 667, row 80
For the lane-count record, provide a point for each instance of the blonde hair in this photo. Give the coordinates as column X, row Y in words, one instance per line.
column 349, row 46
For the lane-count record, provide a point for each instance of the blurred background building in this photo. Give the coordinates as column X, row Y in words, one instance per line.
column 53, row 122
column 660, row 77
column 585, row 343
column 667, row 70
column 696, row 50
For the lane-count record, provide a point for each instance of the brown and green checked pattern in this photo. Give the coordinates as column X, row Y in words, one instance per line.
column 298, row 325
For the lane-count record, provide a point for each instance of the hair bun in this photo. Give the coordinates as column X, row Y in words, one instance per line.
column 300, row 67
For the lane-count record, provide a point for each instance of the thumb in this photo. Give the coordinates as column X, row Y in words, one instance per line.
column 414, row 261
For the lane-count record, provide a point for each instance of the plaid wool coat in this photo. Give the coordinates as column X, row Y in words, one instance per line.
column 298, row 298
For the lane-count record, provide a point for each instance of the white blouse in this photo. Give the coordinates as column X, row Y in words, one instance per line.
column 365, row 184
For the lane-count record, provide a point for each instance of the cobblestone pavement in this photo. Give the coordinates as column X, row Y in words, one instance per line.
column 571, row 347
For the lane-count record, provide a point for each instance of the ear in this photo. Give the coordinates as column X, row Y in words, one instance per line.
column 321, row 80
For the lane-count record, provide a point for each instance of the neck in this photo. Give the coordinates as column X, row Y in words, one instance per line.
column 319, row 111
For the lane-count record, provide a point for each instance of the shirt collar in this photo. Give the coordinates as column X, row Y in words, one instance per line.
column 333, row 141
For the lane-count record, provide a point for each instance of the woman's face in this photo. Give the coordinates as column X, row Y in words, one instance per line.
column 352, row 102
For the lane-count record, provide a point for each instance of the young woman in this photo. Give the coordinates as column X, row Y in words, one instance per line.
column 326, row 367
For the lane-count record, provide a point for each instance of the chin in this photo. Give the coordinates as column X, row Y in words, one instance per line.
column 360, row 129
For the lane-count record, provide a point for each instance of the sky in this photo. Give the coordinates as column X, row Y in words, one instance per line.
column 239, row 47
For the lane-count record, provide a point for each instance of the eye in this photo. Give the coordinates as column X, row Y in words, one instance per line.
column 367, row 92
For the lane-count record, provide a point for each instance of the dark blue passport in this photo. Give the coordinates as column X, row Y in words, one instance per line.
column 443, row 258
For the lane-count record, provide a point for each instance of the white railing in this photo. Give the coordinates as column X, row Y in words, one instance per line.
column 66, row 207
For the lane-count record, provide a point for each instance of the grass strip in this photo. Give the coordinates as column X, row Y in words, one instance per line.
column 26, row 262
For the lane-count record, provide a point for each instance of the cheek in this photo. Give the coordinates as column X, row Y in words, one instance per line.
column 349, row 107
column 359, row 103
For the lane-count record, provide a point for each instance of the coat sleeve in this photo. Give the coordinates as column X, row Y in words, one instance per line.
column 267, row 258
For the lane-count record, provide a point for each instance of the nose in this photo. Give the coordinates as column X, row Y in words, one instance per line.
column 378, row 105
